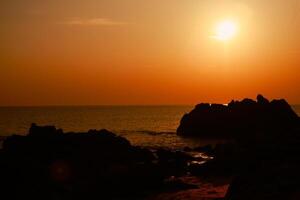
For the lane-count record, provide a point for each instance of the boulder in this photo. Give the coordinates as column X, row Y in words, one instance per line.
column 50, row 164
column 238, row 119
column 263, row 152
column 43, row 131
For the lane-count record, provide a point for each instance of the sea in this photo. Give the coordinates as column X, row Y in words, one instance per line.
column 149, row 126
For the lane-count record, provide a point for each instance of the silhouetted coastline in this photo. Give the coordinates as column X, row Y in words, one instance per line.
column 50, row 164
column 260, row 159
column 263, row 156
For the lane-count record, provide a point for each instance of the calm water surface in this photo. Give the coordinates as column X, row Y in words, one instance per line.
column 142, row 125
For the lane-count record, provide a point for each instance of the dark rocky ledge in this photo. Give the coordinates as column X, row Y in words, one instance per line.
column 238, row 119
column 50, row 164
column 261, row 169
column 263, row 151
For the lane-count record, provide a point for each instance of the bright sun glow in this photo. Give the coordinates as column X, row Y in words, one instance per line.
column 225, row 30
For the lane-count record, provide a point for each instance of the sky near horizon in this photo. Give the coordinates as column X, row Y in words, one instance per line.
column 92, row 52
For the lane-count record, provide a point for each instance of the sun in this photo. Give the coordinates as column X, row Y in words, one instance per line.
column 225, row 30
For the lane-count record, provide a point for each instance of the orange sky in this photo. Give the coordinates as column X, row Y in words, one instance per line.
column 92, row 52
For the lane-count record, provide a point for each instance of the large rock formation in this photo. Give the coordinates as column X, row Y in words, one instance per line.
column 50, row 164
column 238, row 119
column 264, row 155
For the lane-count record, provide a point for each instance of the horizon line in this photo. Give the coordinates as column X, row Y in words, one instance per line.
column 94, row 105
column 112, row 105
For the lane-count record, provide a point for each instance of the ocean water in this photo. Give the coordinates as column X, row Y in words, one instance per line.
column 141, row 125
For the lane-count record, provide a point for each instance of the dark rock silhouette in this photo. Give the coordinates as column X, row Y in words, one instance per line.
column 239, row 119
column 50, row 164
column 263, row 153
column 266, row 169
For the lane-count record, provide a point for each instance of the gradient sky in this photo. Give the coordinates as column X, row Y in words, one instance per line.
column 91, row 52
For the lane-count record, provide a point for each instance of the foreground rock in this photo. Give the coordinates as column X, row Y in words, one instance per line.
column 264, row 153
column 267, row 169
column 50, row 164
column 238, row 119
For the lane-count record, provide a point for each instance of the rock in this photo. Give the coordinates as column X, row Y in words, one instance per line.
column 239, row 119
column 263, row 154
column 50, row 164
column 43, row 131
column 262, row 100
column 174, row 163
column 267, row 170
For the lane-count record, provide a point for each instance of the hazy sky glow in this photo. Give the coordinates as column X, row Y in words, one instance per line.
column 91, row 52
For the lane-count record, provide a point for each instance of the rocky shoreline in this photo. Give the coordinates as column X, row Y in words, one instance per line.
column 92, row 164
column 260, row 161
column 264, row 155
